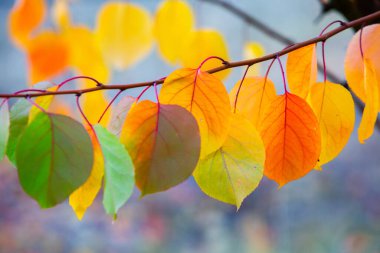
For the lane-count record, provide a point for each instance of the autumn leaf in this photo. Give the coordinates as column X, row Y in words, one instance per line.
column 83, row 197
column 124, row 47
column 204, row 43
column 253, row 50
column 84, row 49
column 25, row 16
column 60, row 14
column 4, row 129
column 206, row 98
column 94, row 104
column 334, row 107
column 292, row 139
column 48, row 56
column 232, row 172
column 54, row 157
column 118, row 171
column 164, row 144
column 119, row 113
column 255, row 95
column 301, row 70
column 172, row 26
column 371, row 109
column 354, row 65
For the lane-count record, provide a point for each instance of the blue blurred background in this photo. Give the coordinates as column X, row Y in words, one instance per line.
column 336, row 210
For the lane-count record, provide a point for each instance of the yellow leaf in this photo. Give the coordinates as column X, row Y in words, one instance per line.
column 164, row 144
column 202, row 44
column 124, row 32
column 232, row 172
column 24, row 17
column 301, row 70
column 206, row 98
column 172, row 26
column 84, row 50
column 253, row 50
column 354, row 65
column 44, row 102
column 255, row 96
column 292, row 139
column 61, row 15
column 334, row 107
column 94, row 104
column 84, row 196
column 48, row 56
column 371, row 89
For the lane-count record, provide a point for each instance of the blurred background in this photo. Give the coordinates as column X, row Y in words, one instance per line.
column 336, row 210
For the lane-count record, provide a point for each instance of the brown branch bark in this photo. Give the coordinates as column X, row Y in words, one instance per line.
column 227, row 65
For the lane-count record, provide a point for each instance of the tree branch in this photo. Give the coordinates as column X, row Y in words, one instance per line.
column 226, row 65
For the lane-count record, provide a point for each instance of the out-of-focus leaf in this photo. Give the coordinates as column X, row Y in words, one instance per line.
column 119, row 113
column 372, row 104
column 334, row 107
column 292, row 139
column 25, row 16
column 164, row 144
column 61, row 14
column 205, row 96
column 124, row 32
column 4, row 127
column 232, row 172
column 253, row 50
column 19, row 117
column 54, row 157
column 119, row 174
column 84, row 50
column 255, row 96
column 83, row 197
column 301, row 70
column 94, row 104
column 48, row 56
column 172, row 25
column 354, row 64
column 202, row 44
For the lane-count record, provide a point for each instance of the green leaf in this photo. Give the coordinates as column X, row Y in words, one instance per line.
column 4, row 128
column 118, row 171
column 54, row 156
column 232, row 172
column 19, row 117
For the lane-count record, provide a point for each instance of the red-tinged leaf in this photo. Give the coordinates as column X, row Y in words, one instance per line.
column 164, row 144
column 206, row 98
column 119, row 113
column 354, row 65
column 291, row 137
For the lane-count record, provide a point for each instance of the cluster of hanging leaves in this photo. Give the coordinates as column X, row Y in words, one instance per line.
column 226, row 141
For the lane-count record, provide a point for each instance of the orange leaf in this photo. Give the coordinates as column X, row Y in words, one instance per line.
column 301, row 70
column 354, row 65
column 255, row 96
column 291, row 137
column 206, row 98
column 48, row 56
column 371, row 89
column 164, row 144
column 24, row 17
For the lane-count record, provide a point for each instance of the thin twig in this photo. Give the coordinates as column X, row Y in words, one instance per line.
column 227, row 65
